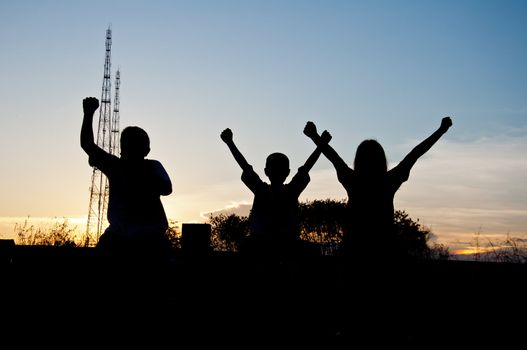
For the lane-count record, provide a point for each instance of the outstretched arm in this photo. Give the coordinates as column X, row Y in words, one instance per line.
column 90, row 105
column 226, row 136
column 312, row 159
column 310, row 130
column 424, row 146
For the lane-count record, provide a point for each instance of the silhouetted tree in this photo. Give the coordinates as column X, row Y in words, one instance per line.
column 439, row 251
column 173, row 235
column 412, row 236
column 323, row 223
column 228, row 231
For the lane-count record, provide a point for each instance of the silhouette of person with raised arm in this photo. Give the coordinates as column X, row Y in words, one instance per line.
column 371, row 188
column 135, row 213
column 274, row 218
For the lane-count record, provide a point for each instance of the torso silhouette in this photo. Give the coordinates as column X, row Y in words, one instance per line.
column 134, row 204
column 371, row 210
column 274, row 219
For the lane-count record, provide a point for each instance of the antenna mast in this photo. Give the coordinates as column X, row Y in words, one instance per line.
column 108, row 140
column 115, row 136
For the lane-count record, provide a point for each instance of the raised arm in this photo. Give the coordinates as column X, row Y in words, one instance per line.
column 90, row 105
column 226, row 136
column 312, row 159
column 310, row 130
column 425, row 145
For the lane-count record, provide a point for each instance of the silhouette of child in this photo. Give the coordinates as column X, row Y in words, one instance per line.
column 274, row 217
column 371, row 188
column 135, row 213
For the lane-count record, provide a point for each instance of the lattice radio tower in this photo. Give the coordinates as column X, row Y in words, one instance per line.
column 108, row 139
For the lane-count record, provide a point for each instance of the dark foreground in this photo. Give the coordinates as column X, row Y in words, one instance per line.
column 68, row 296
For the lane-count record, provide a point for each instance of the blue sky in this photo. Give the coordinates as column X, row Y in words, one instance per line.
column 388, row 70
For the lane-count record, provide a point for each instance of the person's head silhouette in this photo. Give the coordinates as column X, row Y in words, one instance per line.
column 135, row 143
column 277, row 168
column 370, row 158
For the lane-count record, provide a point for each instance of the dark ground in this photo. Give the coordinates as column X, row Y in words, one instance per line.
column 68, row 296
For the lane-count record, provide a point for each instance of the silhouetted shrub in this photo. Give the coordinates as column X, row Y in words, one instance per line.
column 59, row 234
column 173, row 235
column 228, row 231
column 412, row 236
column 323, row 223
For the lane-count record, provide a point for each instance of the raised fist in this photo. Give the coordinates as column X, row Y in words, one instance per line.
column 310, row 130
column 90, row 105
column 325, row 137
column 226, row 135
column 446, row 123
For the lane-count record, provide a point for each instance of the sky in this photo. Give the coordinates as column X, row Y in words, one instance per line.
column 388, row 70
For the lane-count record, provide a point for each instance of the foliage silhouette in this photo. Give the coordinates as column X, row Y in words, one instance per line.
column 323, row 223
column 228, row 231
column 412, row 236
column 173, row 235
column 60, row 234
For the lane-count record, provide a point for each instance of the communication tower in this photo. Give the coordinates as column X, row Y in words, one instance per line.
column 108, row 139
column 115, row 131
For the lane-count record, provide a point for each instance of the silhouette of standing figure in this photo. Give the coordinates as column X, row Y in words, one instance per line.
column 274, row 218
column 137, row 219
column 371, row 189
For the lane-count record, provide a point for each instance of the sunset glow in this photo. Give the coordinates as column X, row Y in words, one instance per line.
column 387, row 70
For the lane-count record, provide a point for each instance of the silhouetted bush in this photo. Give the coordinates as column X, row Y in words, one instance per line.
column 412, row 236
column 323, row 223
column 173, row 234
column 59, row 234
column 228, row 231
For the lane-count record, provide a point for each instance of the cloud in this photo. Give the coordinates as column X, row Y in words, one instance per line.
column 240, row 209
column 464, row 187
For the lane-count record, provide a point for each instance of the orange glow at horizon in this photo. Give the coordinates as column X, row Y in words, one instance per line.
column 473, row 250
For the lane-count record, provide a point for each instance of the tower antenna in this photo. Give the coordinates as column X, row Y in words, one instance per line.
column 108, row 140
column 115, row 131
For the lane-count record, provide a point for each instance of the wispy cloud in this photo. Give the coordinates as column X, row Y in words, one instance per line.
column 464, row 187
column 240, row 209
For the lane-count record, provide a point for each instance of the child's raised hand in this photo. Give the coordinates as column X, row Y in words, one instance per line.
column 446, row 123
column 226, row 135
column 310, row 130
column 325, row 137
column 90, row 105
